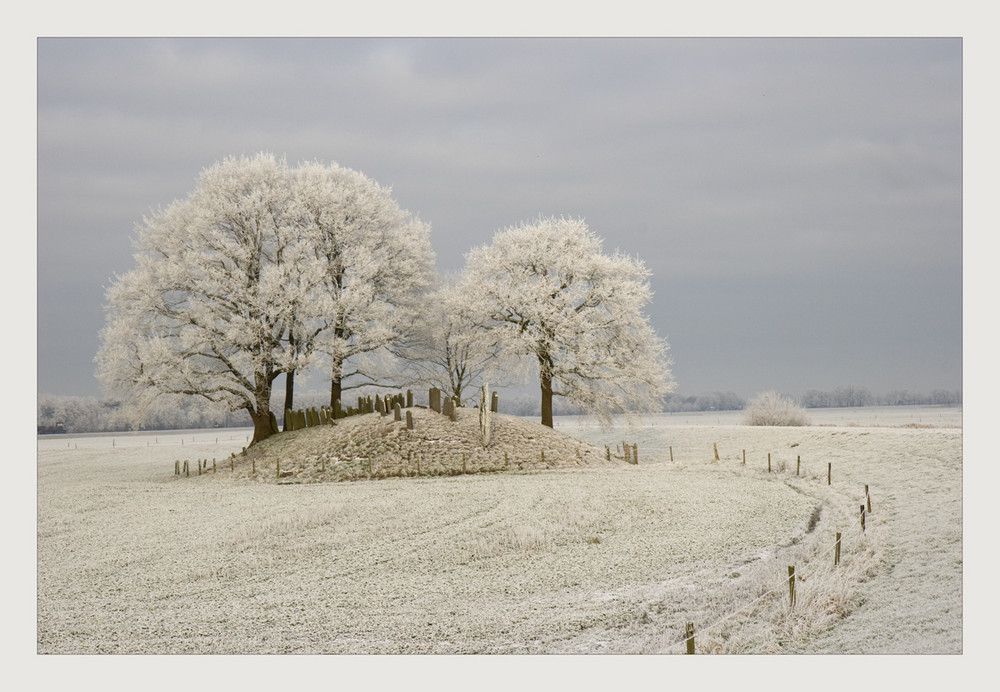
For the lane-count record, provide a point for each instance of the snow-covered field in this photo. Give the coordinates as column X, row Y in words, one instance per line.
column 132, row 559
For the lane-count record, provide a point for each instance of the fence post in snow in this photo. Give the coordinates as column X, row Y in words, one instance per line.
column 716, row 448
column 836, row 551
column 791, row 585
column 689, row 636
column 829, row 471
column 862, row 518
column 868, row 499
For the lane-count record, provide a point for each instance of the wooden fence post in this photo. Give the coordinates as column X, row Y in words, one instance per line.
column 635, row 454
column 177, row 467
column 836, row 551
column 798, row 462
column 868, row 499
column 671, row 454
column 769, row 462
column 689, row 636
column 829, row 471
column 716, row 448
column 862, row 518
column 744, row 457
column 791, row 585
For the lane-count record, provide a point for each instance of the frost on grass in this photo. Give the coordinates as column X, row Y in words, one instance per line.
column 612, row 558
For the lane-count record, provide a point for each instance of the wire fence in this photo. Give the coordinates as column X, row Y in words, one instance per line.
column 686, row 643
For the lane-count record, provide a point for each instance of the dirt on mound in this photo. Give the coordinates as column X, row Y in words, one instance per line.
column 376, row 446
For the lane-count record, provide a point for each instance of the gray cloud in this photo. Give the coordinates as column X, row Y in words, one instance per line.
column 799, row 201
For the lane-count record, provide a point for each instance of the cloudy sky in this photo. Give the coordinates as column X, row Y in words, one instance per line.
column 798, row 201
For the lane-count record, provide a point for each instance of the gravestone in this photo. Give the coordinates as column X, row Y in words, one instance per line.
column 484, row 415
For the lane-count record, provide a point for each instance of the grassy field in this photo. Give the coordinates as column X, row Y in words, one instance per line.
column 614, row 559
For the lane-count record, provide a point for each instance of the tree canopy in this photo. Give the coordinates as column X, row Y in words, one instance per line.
column 258, row 272
column 546, row 292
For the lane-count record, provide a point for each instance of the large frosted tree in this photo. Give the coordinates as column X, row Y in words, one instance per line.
column 546, row 292
column 221, row 278
column 379, row 263
column 250, row 277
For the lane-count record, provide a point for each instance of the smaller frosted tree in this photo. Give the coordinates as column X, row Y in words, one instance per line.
column 545, row 293
column 772, row 408
column 441, row 349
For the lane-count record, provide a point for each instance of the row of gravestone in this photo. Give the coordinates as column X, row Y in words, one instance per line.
column 311, row 417
column 448, row 405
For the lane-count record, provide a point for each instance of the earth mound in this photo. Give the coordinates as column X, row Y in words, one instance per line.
column 376, row 446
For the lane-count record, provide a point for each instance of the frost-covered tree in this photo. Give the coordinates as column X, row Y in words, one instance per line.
column 253, row 275
column 378, row 262
column 441, row 349
column 773, row 408
column 222, row 278
column 546, row 292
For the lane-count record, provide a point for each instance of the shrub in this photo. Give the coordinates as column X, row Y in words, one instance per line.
column 772, row 408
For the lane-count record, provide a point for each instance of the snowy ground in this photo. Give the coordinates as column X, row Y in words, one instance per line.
column 134, row 559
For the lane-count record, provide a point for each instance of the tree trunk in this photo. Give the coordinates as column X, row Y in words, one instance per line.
column 546, row 380
column 261, row 426
column 260, row 414
column 335, row 385
column 289, row 390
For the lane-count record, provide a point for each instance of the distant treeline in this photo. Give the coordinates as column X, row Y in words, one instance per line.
column 853, row 395
column 78, row 414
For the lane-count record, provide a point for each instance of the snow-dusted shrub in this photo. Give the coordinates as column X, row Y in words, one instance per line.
column 772, row 408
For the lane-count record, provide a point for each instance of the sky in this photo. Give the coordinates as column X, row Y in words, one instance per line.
column 799, row 201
